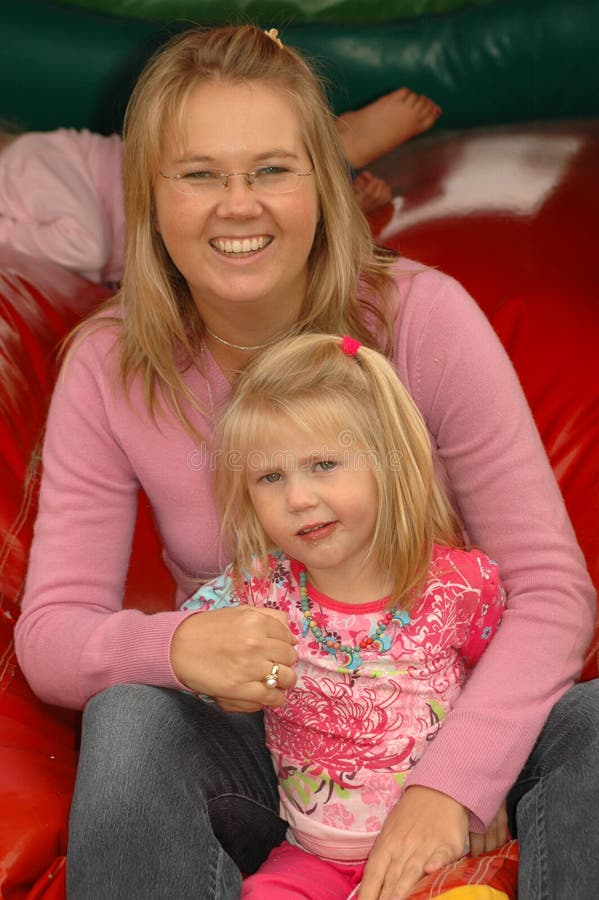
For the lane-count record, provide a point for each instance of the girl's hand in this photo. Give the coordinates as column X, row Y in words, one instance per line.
column 495, row 836
column 226, row 654
column 425, row 830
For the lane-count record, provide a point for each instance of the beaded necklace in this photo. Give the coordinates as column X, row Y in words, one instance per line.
column 350, row 657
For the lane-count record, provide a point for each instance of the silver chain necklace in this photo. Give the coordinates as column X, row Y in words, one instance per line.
column 240, row 346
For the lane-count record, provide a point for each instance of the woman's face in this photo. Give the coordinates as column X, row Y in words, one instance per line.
column 238, row 247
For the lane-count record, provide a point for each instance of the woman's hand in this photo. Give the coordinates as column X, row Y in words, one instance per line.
column 495, row 836
column 227, row 653
column 425, row 830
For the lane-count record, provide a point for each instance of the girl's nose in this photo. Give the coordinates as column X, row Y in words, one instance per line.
column 300, row 496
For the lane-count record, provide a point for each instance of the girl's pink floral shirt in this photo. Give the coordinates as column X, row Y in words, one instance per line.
column 358, row 719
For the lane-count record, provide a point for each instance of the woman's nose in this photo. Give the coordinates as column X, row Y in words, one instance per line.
column 238, row 198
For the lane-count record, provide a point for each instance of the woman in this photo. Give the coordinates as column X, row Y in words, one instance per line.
column 242, row 227
column 61, row 194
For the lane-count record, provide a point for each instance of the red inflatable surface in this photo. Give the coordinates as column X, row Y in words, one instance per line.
column 513, row 214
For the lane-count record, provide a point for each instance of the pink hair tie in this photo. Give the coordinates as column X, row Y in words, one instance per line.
column 350, row 345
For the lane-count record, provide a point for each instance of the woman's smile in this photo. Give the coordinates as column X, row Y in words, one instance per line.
column 240, row 246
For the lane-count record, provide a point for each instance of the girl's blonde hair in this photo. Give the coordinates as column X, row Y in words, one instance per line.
column 360, row 401
column 348, row 279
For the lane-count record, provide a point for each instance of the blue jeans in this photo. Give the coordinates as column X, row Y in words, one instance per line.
column 175, row 797
column 554, row 806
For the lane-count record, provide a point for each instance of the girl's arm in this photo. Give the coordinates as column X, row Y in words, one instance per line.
column 220, row 593
column 486, row 618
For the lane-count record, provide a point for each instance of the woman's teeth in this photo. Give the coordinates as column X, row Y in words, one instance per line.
column 240, row 245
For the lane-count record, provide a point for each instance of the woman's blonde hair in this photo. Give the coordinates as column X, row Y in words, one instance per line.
column 348, row 279
column 360, row 401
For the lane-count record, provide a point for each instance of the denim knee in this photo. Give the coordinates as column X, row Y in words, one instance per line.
column 138, row 738
column 554, row 803
column 571, row 729
column 129, row 720
column 124, row 746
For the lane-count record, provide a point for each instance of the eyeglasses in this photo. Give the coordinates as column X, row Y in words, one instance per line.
column 265, row 180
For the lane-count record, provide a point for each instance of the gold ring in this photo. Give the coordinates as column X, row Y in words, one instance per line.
column 272, row 679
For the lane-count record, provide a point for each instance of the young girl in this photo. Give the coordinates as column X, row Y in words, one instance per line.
column 328, row 492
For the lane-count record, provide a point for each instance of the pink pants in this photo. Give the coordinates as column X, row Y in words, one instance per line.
column 290, row 872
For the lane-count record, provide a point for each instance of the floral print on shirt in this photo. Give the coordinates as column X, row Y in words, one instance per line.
column 345, row 740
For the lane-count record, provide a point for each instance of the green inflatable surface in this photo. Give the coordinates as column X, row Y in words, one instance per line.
column 278, row 12
column 484, row 64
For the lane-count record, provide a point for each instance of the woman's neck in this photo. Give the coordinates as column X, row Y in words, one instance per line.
column 229, row 361
column 232, row 345
column 249, row 323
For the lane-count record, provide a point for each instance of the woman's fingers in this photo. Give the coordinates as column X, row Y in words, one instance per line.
column 237, row 706
column 495, row 836
column 425, row 830
column 264, row 694
column 229, row 652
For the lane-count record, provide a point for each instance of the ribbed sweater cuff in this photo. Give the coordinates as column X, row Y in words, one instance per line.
column 475, row 759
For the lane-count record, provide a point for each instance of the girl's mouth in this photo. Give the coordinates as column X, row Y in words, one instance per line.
column 317, row 531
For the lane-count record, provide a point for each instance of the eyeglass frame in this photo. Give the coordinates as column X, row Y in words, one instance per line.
column 223, row 177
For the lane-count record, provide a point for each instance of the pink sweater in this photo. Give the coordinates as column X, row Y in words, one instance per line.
column 61, row 198
column 74, row 639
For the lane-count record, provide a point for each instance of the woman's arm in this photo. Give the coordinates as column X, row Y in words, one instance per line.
column 490, row 452
column 74, row 638
column 498, row 472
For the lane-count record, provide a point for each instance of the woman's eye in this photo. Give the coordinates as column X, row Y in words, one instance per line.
column 270, row 171
column 200, row 175
column 277, row 176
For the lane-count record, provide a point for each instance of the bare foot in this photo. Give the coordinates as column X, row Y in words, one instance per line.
column 376, row 129
column 371, row 192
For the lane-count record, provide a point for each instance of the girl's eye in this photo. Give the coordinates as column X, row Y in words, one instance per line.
column 271, row 478
column 325, row 465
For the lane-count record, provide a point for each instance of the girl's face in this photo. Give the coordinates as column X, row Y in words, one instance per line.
column 316, row 497
column 240, row 250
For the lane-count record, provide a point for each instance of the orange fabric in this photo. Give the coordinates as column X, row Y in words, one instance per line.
column 475, row 892
column 498, row 871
